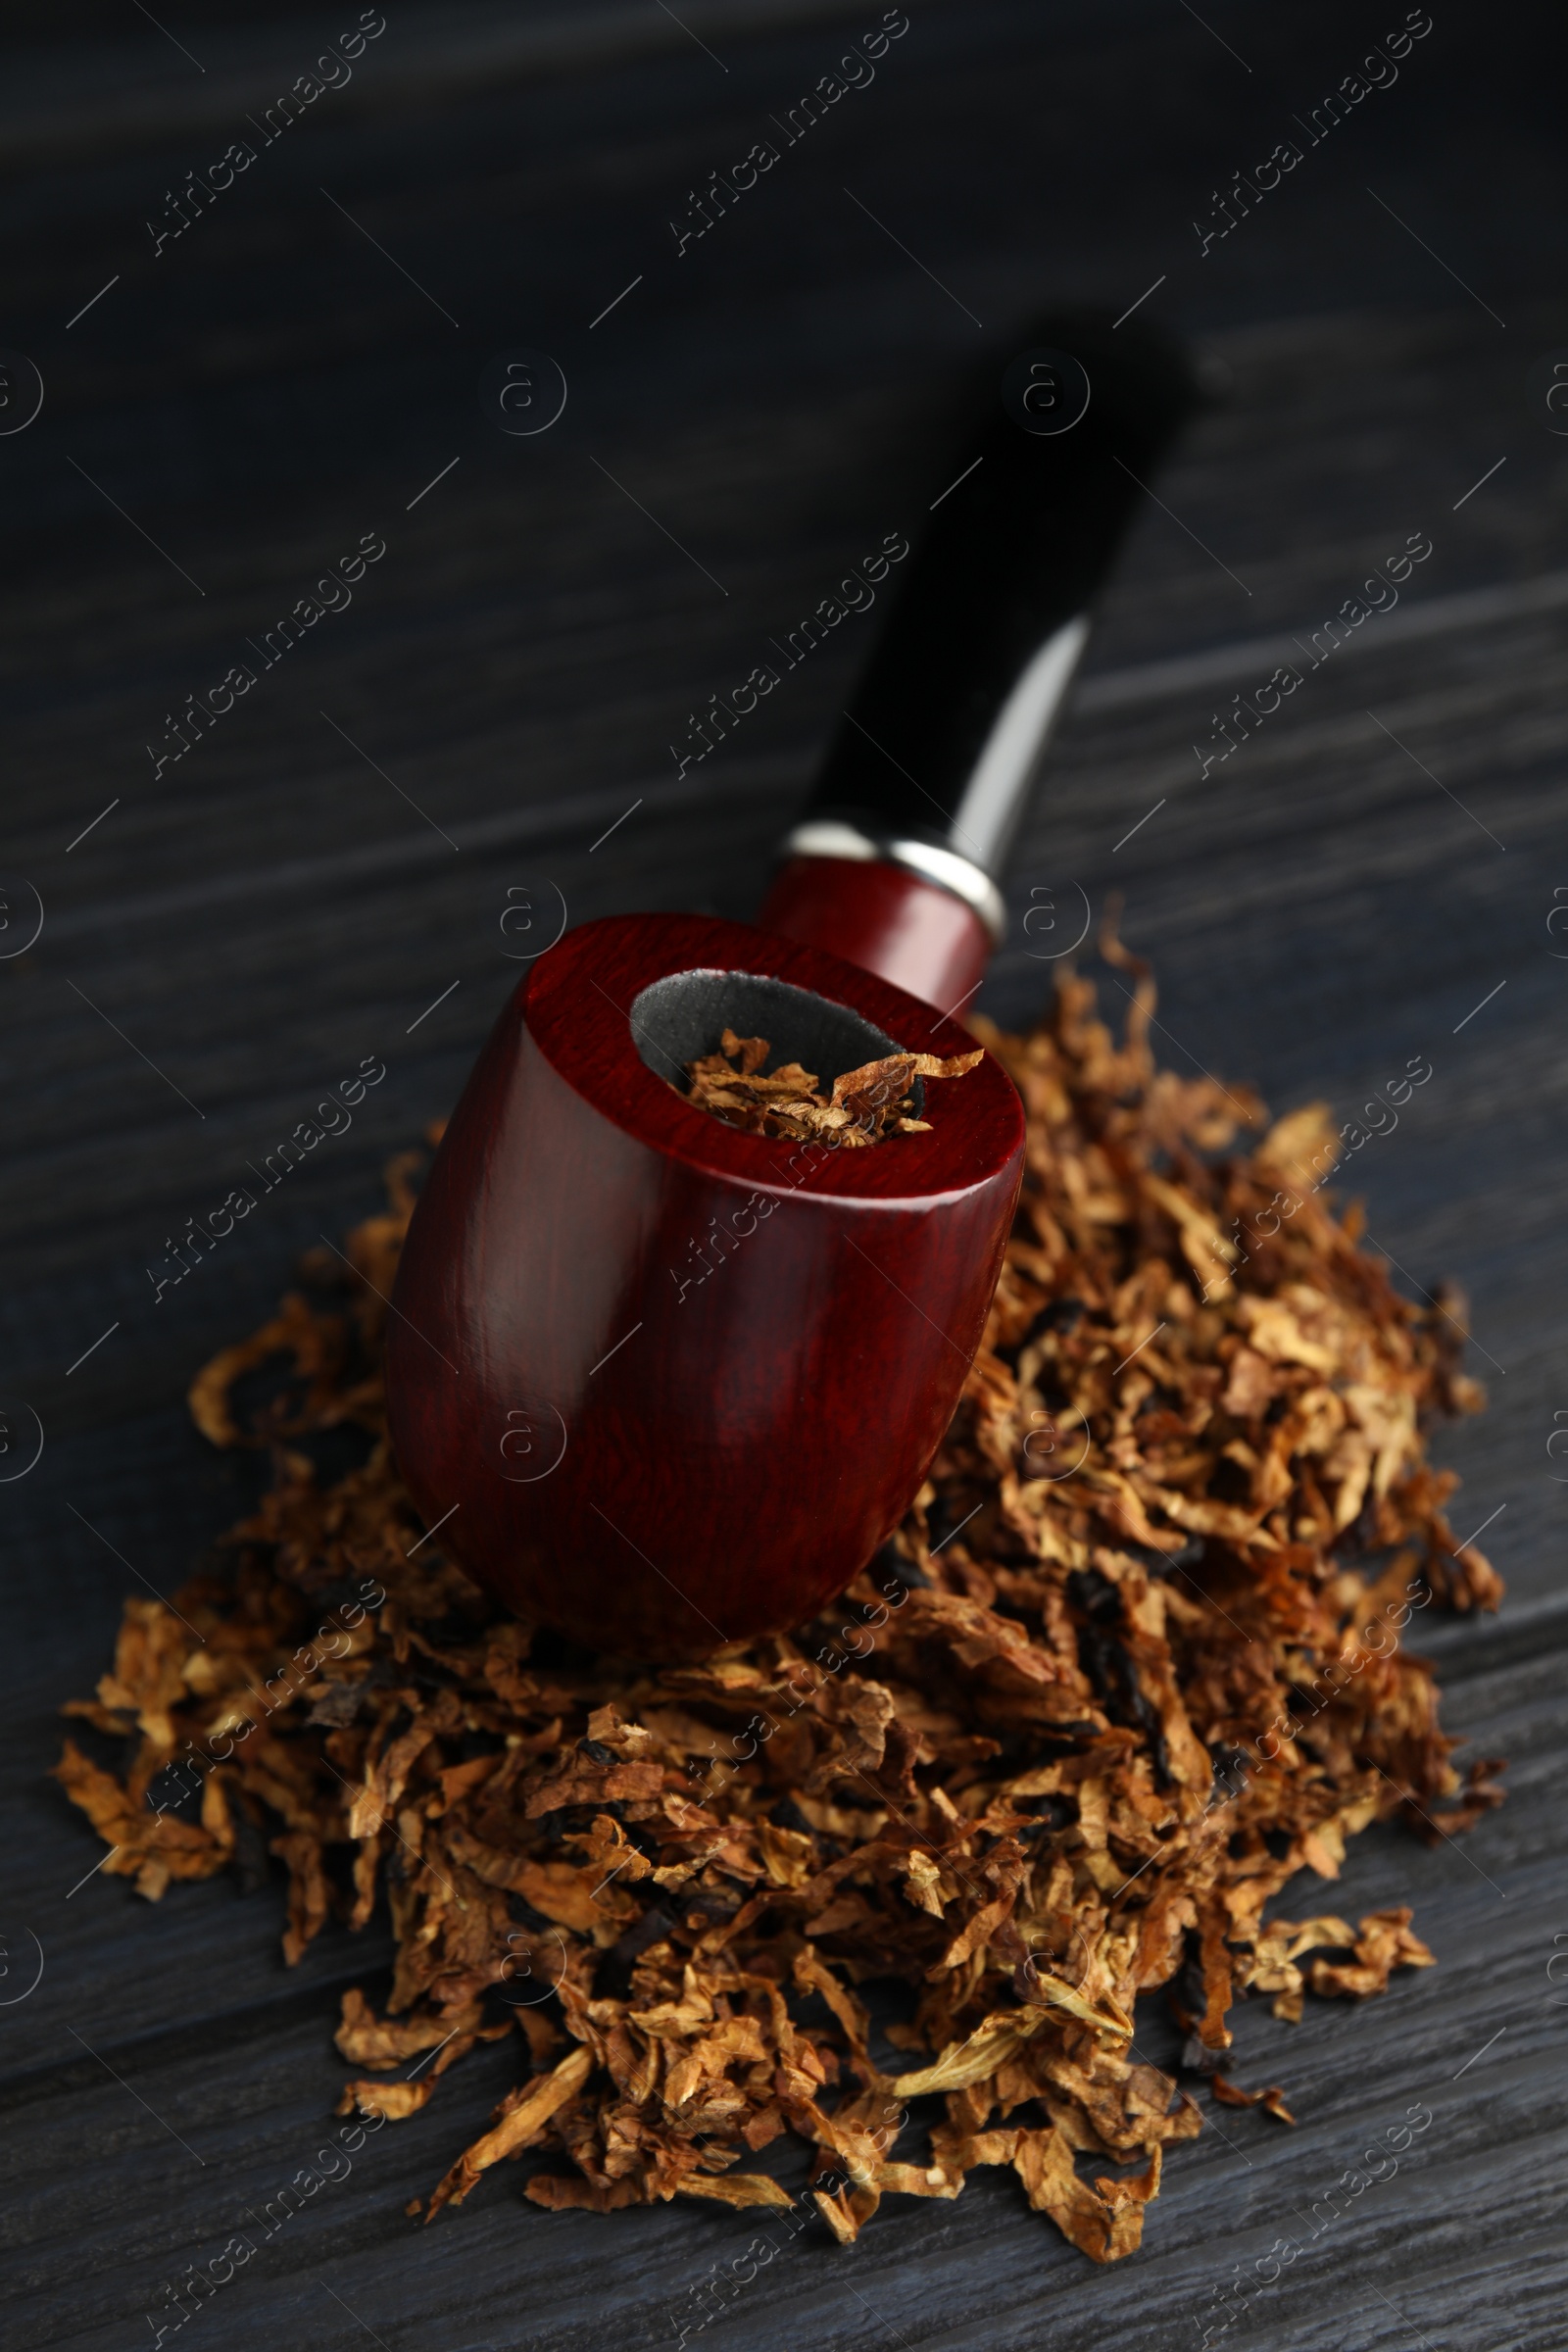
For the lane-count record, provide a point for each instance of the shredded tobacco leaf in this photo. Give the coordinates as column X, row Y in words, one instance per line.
column 863, row 1107
column 1111, row 1686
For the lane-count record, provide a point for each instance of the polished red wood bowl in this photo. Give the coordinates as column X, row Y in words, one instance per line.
column 667, row 1386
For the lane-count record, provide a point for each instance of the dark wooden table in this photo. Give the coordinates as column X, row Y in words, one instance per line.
column 321, row 875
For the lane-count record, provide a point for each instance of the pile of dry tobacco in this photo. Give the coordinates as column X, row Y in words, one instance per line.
column 865, row 1106
column 1133, row 1660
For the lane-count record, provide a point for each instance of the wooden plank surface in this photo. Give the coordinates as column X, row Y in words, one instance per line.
column 1344, row 892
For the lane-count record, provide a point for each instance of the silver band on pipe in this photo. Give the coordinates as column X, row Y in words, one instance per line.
column 833, row 837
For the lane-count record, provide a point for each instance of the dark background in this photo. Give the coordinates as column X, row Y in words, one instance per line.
column 267, row 911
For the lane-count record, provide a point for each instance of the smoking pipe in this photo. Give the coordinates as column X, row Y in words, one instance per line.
column 665, row 1384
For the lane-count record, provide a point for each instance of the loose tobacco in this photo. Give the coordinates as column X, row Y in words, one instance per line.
column 1132, row 1662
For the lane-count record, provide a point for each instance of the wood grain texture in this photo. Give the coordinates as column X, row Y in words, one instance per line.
column 269, row 388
